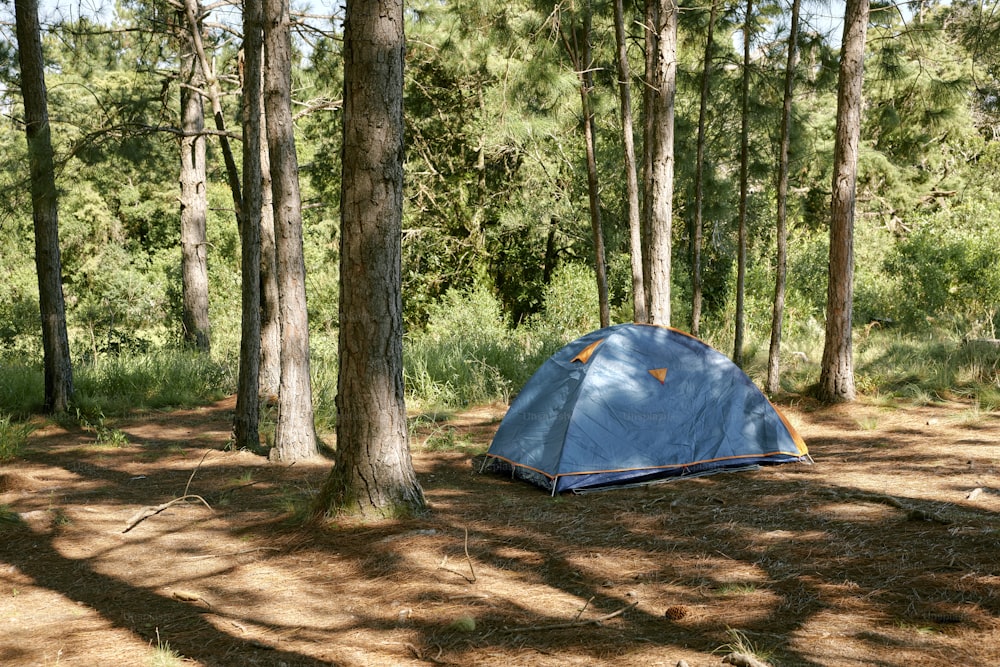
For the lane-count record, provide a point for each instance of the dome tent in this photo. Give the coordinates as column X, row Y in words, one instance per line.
column 633, row 404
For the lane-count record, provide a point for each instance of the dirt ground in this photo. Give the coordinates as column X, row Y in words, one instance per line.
column 885, row 552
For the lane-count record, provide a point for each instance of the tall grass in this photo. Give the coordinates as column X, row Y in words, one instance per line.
column 164, row 378
column 22, row 387
column 114, row 385
column 469, row 354
column 13, row 437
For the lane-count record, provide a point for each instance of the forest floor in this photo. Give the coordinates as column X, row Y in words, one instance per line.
column 885, row 552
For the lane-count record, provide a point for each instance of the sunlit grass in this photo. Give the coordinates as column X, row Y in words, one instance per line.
column 13, row 437
column 166, row 378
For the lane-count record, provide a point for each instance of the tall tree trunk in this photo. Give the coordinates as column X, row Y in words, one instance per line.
column 295, row 433
column 193, row 12
column 579, row 50
column 836, row 381
column 631, row 175
column 741, row 252
column 650, row 22
column 45, row 209
column 699, row 177
column 246, row 433
column 373, row 474
column 270, row 318
column 194, row 203
column 773, row 382
column 661, row 182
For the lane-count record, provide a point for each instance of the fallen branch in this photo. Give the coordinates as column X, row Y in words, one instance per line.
column 147, row 512
column 574, row 624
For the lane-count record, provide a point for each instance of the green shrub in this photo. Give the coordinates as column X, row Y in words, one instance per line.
column 466, row 354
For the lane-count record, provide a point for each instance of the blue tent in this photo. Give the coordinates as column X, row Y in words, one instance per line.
column 633, row 404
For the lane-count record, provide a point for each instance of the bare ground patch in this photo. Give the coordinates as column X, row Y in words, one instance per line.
column 883, row 553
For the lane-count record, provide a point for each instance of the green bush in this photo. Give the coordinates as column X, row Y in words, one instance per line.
column 466, row 354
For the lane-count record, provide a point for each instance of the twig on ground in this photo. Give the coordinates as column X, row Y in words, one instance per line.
column 188, row 485
column 583, row 609
column 574, row 624
column 147, row 512
column 468, row 559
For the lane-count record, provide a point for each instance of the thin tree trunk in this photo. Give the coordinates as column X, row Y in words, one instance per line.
column 45, row 209
column 194, row 203
column 193, row 12
column 549, row 264
column 631, row 176
column 295, row 433
column 741, row 261
column 777, row 315
column 374, row 474
column 246, row 432
column 594, row 196
column 650, row 22
column 837, row 368
column 270, row 325
column 699, row 177
column 661, row 183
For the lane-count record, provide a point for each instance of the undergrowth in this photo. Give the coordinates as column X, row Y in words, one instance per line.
column 468, row 354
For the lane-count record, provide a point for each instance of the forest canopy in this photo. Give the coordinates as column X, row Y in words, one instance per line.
column 496, row 204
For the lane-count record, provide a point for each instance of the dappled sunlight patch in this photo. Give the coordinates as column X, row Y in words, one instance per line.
column 858, row 511
column 821, row 565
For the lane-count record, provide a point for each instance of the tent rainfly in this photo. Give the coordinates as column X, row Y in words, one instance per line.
column 634, row 404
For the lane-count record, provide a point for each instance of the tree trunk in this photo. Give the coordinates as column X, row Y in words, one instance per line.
column 631, row 176
column 650, row 22
column 193, row 12
column 45, row 209
column 373, row 475
column 295, row 433
column 777, row 315
column 246, row 432
column 580, row 56
column 837, row 369
column 699, row 177
column 741, row 252
column 194, row 203
column 270, row 318
column 661, row 182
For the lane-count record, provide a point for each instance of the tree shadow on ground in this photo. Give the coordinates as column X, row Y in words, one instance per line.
column 872, row 556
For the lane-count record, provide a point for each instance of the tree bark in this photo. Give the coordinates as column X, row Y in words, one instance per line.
column 699, row 177
column 194, row 203
column 270, row 317
column 45, row 209
column 661, row 182
column 579, row 50
column 650, row 22
column 373, row 474
column 295, row 433
column 741, row 247
column 773, row 382
column 246, row 432
column 837, row 368
column 631, row 175
column 193, row 12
